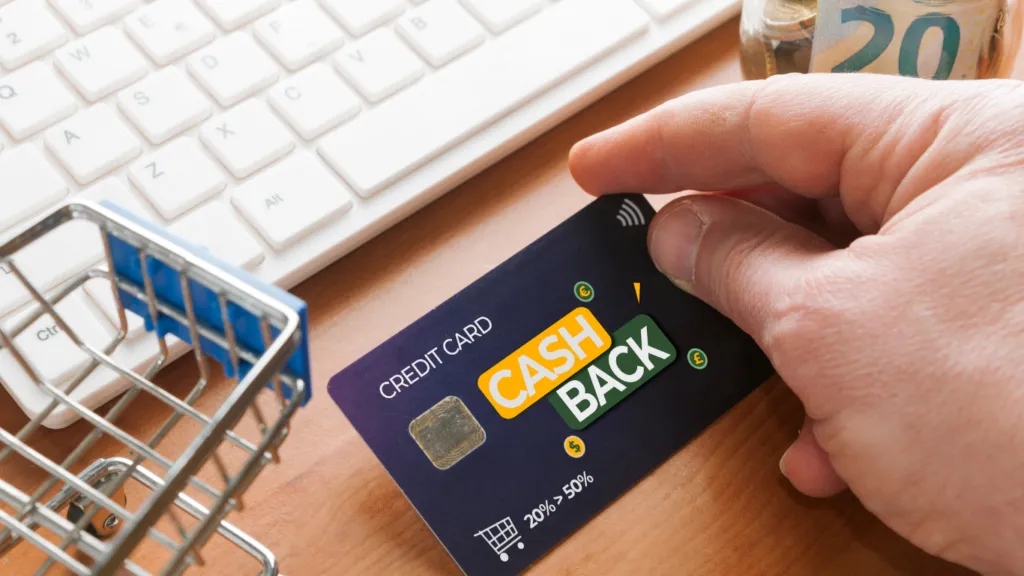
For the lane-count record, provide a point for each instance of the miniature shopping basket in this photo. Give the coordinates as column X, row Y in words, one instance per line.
column 142, row 482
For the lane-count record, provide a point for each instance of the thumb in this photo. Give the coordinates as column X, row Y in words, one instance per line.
column 755, row 268
column 746, row 262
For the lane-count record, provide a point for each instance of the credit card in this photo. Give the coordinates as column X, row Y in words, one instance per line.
column 516, row 411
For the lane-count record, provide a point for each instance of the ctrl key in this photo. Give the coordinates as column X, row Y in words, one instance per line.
column 47, row 349
column 291, row 199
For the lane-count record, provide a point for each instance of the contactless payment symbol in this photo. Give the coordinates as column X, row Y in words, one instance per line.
column 698, row 359
column 574, row 446
column 584, row 291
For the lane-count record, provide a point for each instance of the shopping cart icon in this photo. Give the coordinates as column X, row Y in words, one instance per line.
column 501, row 536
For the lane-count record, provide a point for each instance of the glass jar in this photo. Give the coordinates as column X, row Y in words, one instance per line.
column 938, row 39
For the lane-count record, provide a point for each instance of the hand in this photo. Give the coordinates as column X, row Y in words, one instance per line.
column 870, row 237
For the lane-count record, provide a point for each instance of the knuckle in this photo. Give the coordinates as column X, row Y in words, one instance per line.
column 990, row 113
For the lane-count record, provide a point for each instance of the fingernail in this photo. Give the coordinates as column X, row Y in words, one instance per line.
column 782, row 461
column 674, row 243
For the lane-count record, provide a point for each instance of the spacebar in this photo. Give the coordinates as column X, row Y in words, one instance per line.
column 386, row 143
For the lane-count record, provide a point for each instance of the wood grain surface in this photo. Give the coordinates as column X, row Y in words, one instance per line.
column 718, row 507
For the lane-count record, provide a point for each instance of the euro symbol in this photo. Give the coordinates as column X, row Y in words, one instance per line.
column 584, row 291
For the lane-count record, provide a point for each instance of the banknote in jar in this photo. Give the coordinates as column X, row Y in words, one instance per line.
column 939, row 39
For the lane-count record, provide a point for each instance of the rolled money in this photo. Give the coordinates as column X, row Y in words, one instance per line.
column 939, row 39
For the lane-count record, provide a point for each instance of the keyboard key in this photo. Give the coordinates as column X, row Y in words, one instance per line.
column 88, row 15
column 99, row 292
column 361, row 16
column 486, row 84
column 48, row 349
column 113, row 190
column 164, row 104
column 298, row 34
column 231, row 14
column 312, row 101
column 92, row 143
column 662, row 9
column 101, row 63
column 291, row 199
column 27, row 31
column 500, row 15
column 69, row 249
column 177, row 177
column 441, row 31
column 32, row 99
column 169, row 29
column 379, row 65
column 27, row 185
column 50, row 260
column 216, row 228
column 232, row 68
column 247, row 138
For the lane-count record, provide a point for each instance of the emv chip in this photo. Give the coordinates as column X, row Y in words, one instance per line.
column 447, row 432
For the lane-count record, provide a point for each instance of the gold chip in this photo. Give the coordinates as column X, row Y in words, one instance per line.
column 447, row 432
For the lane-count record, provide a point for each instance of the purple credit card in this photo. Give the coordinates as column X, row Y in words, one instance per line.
column 520, row 408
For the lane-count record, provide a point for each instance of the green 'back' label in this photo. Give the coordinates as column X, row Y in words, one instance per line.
column 639, row 351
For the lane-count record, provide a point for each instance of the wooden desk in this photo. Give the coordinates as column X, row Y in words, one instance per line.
column 719, row 506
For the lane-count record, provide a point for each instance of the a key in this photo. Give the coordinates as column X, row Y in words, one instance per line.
column 441, row 31
column 312, row 101
column 92, row 143
column 99, row 292
column 379, row 65
column 298, row 34
column 177, row 177
column 164, row 105
column 113, row 190
column 32, row 98
column 247, row 138
column 231, row 14
column 169, row 29
column 471, row 92
column 88, row 15
column 291, row 199
column 101, row 63
column 500, row 15
column 232, row 68
column 27, row 31
column 27, row 185
column 48, row 349
column 215, row 227
column 361, row 16
column 49, row 261
column 662, row 9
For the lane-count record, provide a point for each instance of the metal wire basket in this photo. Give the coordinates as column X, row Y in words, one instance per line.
column 66, row 503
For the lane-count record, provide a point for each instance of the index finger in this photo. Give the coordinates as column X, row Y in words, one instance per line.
column 814, row 134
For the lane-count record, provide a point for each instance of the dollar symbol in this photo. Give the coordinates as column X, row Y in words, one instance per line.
column 574, row 446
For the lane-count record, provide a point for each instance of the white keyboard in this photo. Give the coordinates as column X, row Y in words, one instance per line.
column 280, row 135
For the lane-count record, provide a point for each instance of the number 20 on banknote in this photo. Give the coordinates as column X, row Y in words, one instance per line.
column 939, row 39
